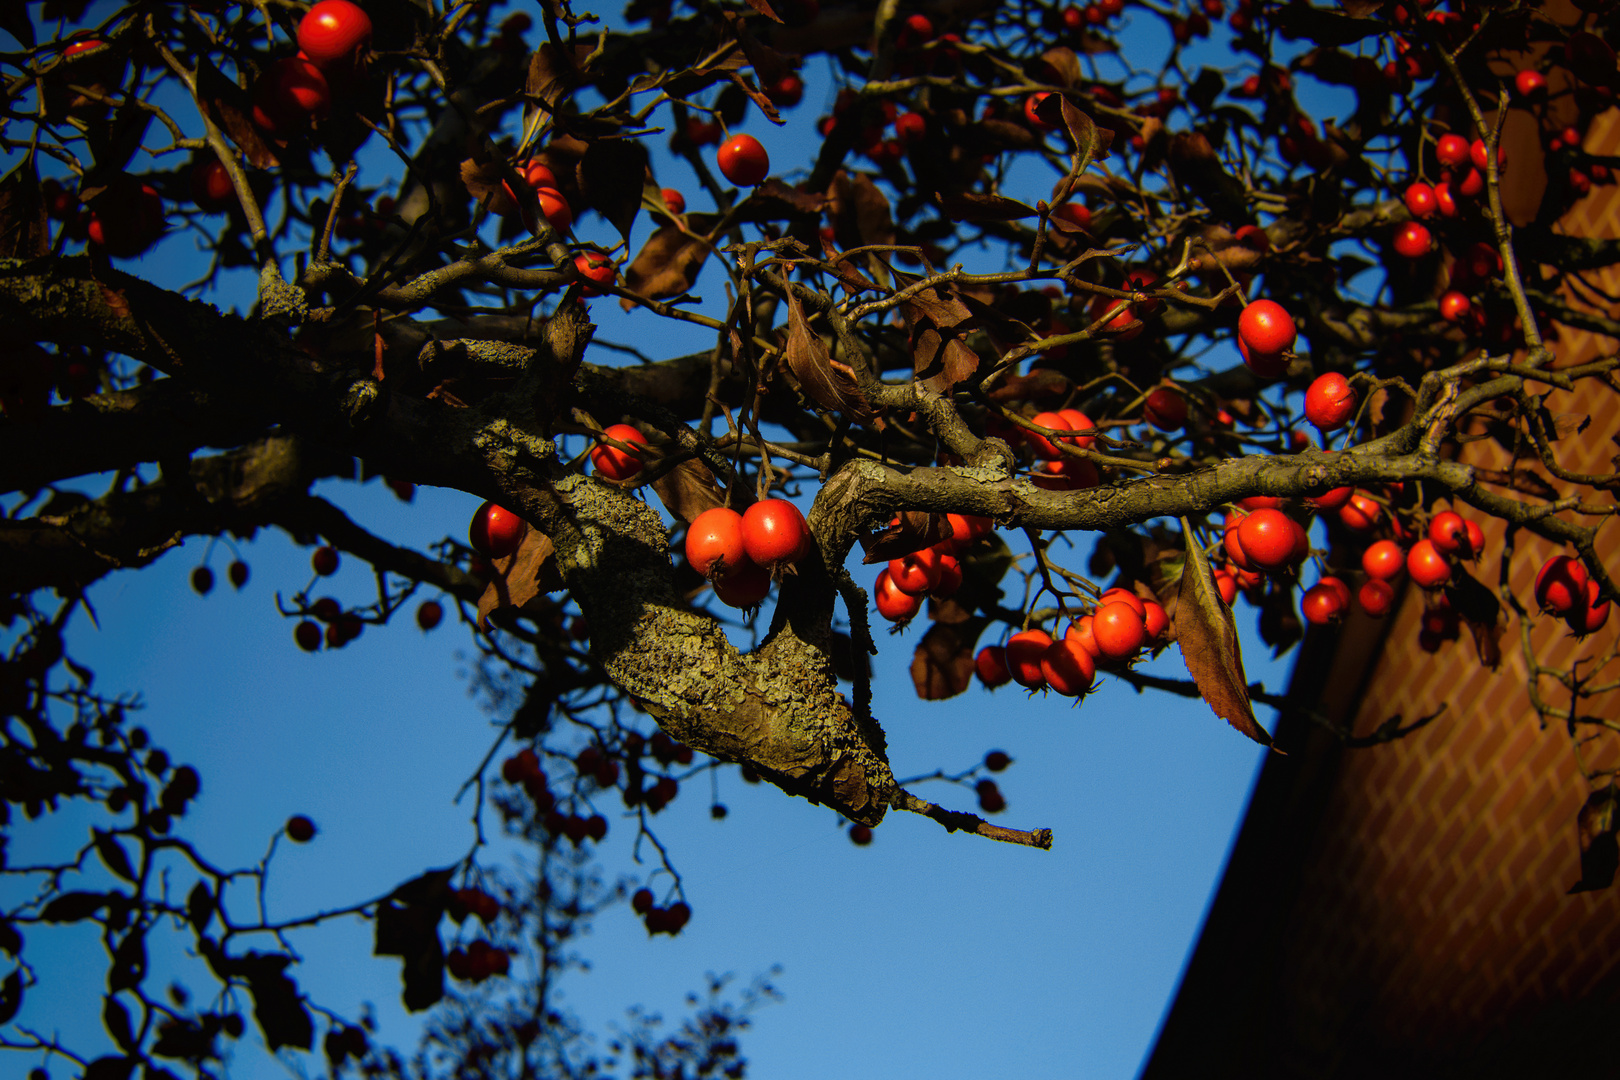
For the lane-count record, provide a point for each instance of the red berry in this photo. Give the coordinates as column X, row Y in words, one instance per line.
column 1118, row 630
column 1032, row 114
column 991, row 666
column 1329, row 401
column 429, row 614
column 1165, row 409
column 1413, row 240
column 1155, row 622
column 1530, row 83
column 787, row 91
column 892, row 603
column 1420, row 200
column 324, row 561
column 559, row 215
column 1588, row 617
column 1383, row 560
column 1067, row 667
column 616, row 464
column 333, row 33
column 1333, row 498
column 1024, row 652
column 860, row 835
column 1076, row 214
column 917, row 573
column 300, row 829
column 775, row 533
column 743, row 160
column 308, row 635
column 1361, row 513
column 291, row 95
column 1267, row 538
column 1452, row 150
column 1322, row 604
column 1449, row 533
column 1227, row 585
column 1560, row 584
column 1265, row 328
column 595, row 268
column 1126, row 597
column 1454, row 306
column 238, row 573
column 714, row 542
column 910, row 127
column 202, row 581
column 495, row 531
column 744, row 586
column 1427, row 565
column 211, row 186
column 1377, row 598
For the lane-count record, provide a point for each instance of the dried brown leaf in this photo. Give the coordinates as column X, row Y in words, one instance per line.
column 25, row 230
column 912, row 530
column 942, row 666
column 974, row 206
column 549, row 79
column 231, row 108
column 765, row 9
column 754, row 94
column 1209, row 643
column 688, row 489
column 667, row 264
column 1062, row 65
column 522, row 578
column 611, row 176
column 1597, row 827
column 859, row 210
column 776, row 201
column 1088, row 144
column 767, row 63
column 812, row 365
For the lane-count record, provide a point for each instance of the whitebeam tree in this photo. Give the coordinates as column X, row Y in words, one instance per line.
column 952, row 423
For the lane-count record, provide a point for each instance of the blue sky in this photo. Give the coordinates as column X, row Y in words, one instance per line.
column 926, row 954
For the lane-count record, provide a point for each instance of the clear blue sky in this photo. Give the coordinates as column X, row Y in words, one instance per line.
column 926, row 954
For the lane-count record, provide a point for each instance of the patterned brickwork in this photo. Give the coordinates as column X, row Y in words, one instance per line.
column 1434, row 906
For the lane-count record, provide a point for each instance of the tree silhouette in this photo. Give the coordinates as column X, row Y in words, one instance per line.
column 938, row 365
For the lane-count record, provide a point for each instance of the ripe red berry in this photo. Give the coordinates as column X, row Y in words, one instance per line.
column 786, row 91
column 1588, row 617
column 324, row 561
column 202, row 581
column 238, row 573
column 1361, row 513
column 1067, row 667
column 991, row 666
column 1481, row 157
column 1420, row 200
column 893, row 603
column 1322, row 604
column 429, row 614
column 1530, row 83
column 1032, row 105
column 1383, row 560
column 1333, row 498
column 1560, row 584
column 743, row 160
column 909, row 127
column 596, row 269
column 1377, row 597
column 333, row 33
column 290, row 96
column 1427, row 565
column 559, row 215
column 860, row 835
column 613, row 463
column 714, row 542
column 996, row 760
column 1449, row 533
column 1329, row 401
column 743, row 586
column 1226, row 584
column 775, row 533
column 1452, row 150
column 495, row 531
column 674, row 200
column 300, row 829
column 1267, row 539
column 1155, row 622
column 917, row 573
column 1165, row 409
column 1024, row 652
column 1266, row 328
column 1118, row 630
column 1413, row 240
column 1057, row 421
column 211, row 186
column 308, row 635
column 1454, row 306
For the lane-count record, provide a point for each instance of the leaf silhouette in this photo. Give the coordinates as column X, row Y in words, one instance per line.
column 611, row 176
column 1209, row 643
column 25, row 231
column 812, row 365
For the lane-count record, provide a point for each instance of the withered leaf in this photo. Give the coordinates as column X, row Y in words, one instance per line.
column 688, row 489
column 1209, row 643
column 812, row 365
column 708, row 71
column 754, row 94
column 230, row 107
column 765, row 9
column 974, row 206
column 1087, row 143
column 521, row 577
column 668, row 262
column 860, row 211
column 942, row 666
column 482, row 177
column 767, row 63
column 550, row 77
column 1597, row 827
column 611, row 176
column 939, row 357
column 1062, row 65
column 912, row 530
column 776, row 201
column 25, row 230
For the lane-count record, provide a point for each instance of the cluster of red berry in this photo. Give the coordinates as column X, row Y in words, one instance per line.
column 934, row 571
column 660, row 920
column 478, row 961
column 739, row 553
column 1112, row 634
